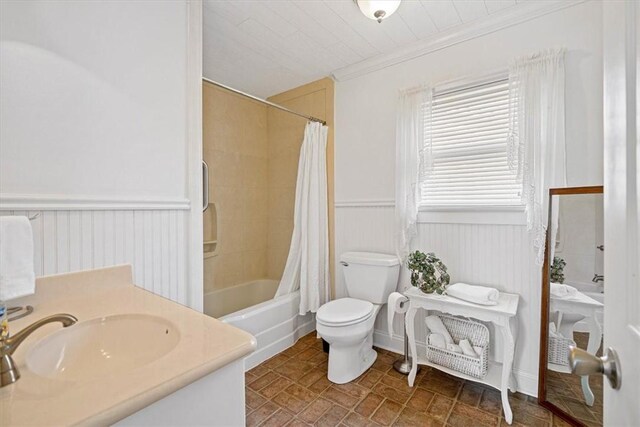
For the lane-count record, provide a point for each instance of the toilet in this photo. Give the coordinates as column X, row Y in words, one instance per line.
column 347, row 323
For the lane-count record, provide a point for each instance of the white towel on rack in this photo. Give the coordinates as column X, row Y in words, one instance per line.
column 17, row 278
column 477, row 294
column 562, row 291
column 467, row 349
column 435, row 325
column 437, row 340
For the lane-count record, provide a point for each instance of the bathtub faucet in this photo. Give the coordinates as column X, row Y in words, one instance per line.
column 598, row 278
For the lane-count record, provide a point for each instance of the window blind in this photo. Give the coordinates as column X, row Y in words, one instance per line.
column 468, row 130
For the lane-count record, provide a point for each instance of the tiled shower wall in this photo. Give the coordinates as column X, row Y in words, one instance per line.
column 235, row 148
column 253, row 151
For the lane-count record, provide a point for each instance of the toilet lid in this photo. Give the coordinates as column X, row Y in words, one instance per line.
column 344, row 311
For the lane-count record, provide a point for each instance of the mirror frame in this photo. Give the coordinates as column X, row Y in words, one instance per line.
column 544, row 305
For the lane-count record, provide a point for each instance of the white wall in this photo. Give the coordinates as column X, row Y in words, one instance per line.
column 95, row 122
column 93, row 98
column 479, row 253
column 579, row 233
column 152, row 241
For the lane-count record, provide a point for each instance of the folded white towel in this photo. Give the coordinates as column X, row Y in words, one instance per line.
column 477, row 294
column 478, row 350
column 17, row 278
column 467, row 349
column 454, row 347
column 435, row 325
column 562, row 291
column 437, row 340
column 553, row 332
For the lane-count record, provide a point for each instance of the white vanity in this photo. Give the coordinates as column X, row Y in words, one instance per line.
column 133, row 358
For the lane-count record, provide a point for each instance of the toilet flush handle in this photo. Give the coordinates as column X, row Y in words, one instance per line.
column 344, row 263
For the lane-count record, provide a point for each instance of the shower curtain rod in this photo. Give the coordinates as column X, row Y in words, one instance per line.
column 264, row 101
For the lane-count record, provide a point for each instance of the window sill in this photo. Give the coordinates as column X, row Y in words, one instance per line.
column 497, row 215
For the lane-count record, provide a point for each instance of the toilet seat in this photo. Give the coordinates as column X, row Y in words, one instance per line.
column 344, row 312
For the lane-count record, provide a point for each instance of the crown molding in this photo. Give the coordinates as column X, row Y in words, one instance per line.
column 61, row 202
column 495, row 22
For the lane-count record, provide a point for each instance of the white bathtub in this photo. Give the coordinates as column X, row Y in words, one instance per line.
column 234, row 298
column 587, row 287
column 273, row 321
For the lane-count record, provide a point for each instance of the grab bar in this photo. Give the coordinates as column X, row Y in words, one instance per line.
column 205, row 186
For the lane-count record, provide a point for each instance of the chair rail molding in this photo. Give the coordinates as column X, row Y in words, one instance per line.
column 373, row 203
column 60, row 202
column 497, row 215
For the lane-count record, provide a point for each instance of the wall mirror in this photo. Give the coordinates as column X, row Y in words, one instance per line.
column 573, row 298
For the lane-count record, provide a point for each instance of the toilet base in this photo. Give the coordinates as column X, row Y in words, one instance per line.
column 348, row 362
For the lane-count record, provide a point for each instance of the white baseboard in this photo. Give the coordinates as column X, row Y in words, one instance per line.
column 267, row 352
column 527, row 383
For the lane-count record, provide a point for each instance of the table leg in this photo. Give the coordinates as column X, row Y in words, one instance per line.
column 411, row 334
column 507, row 363
column 595, row 337
column 513, row 324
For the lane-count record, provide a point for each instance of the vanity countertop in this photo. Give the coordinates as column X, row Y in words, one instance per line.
column 205, row 345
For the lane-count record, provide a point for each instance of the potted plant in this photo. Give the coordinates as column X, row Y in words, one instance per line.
column 557, row 270
column 428, row 272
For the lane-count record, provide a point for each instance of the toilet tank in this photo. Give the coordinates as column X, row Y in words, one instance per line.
column 370, row 276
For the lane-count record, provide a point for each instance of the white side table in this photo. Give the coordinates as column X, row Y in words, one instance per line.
column 502, row 315
column 587, row 307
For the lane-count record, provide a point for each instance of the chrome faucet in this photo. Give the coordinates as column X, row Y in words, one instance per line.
column 9, row 373
column 597, row 278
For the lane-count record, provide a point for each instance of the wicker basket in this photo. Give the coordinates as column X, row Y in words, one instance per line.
column 461, row 328
column 558, row 352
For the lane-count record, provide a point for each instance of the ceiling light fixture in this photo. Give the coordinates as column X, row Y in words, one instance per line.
column 378, row 9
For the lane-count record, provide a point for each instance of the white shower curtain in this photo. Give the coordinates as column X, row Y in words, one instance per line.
column 536, row 142
column 307, row 266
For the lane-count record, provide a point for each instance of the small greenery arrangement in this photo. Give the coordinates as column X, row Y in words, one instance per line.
column 557, row 270
column 428, row 272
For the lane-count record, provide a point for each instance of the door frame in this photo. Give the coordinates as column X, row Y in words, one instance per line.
column 194, row 262
column 621, row 227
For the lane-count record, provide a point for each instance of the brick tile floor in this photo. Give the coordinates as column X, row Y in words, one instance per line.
column 565, row 391
column 291, row 389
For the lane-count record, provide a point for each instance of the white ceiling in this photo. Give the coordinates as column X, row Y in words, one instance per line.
column 269, row 46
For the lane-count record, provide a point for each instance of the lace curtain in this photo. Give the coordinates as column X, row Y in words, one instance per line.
column 536, row 140
column 413, row 162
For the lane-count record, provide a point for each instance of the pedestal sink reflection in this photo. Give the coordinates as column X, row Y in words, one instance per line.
column 103, row 346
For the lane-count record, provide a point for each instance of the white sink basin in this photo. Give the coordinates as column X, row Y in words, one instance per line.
column 103, row 346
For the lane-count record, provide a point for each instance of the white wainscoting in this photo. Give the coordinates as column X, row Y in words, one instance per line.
column 493, row 254
column 153, row 241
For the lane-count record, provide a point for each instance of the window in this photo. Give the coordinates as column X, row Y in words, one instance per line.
column 469, row 127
